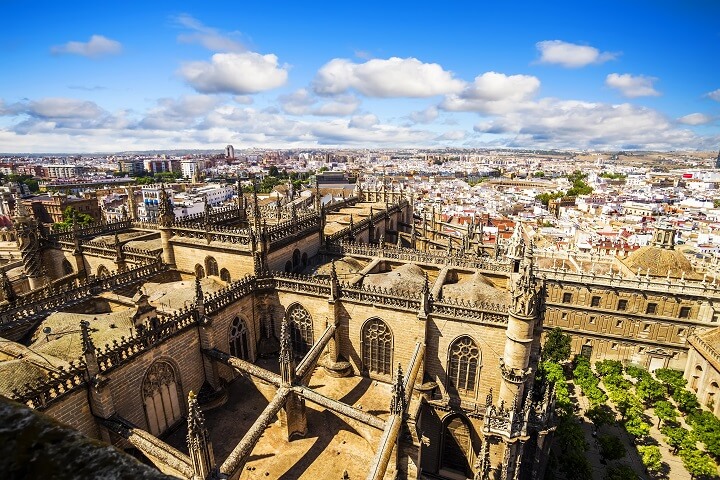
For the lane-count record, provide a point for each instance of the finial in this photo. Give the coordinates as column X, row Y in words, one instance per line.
column 397, row 402
column 199, row 297
column 285, row 343
column 87, row 343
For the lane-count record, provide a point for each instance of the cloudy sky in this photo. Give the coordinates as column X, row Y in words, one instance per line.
column 112, row 76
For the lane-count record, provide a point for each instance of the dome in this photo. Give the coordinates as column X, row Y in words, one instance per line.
column 660, row 262
column 408, row 277
column 476, row 289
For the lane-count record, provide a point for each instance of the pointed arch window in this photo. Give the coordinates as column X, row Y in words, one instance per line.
column 463, row 365
column 377, row 347
column 160, row 392
column 456, row 447
column 211, row 266
column 239, row 343
column 301, row 329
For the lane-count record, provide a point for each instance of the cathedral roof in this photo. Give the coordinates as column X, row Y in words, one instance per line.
column 476, row 288
column 660, row 262
column 407, row 277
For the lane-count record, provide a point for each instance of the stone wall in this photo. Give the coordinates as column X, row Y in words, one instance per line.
column 182, row 351
column 190, row 252
column 74, row 410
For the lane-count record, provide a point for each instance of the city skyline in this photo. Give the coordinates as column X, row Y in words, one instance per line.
column 631, row 75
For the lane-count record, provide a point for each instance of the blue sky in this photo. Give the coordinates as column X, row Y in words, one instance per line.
column 113, row 76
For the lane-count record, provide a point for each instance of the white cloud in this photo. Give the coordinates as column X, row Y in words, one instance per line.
column 553, row 123
column 695, row 119
column 363, row 121
column 424, row 116
column 180, row 113
column 303, row 102
column 237, row 73
column 715, row 95
column 632, row 86
column 571, row 55
column 494, row 93
column 452, row 135
column 208, row 37
column 394, row 77
column 59, row 108
column 97, row 46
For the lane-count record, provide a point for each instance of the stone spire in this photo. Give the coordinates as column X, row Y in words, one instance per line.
column 334, row 282
column 199, row 297
column 28, row 243
column 256, row 205
column 397, row 402
column 287, row 363
column 119, row 254
column 198, row 441
column 7, row 288
column 87, row 344
column 166, row 214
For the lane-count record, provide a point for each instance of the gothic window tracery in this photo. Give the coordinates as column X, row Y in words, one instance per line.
column 377, row 347
column 239, row 345
column 301, row 329
column 160, row 394
column 102, row 271
column 463, row 365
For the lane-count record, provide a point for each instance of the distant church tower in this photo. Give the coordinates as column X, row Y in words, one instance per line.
column 230, row 152
column 717, row 161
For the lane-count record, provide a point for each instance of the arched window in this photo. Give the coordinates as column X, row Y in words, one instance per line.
column 225, row 275
column 199, row 271
column 696, row 378
column 67, row 267
column 102, row 271
column 304, row 260
column 377, row 347
column 296, row 258
column 161, row 397
column 456, row 447
column 463, row 365
column 301, row 329
column 211, row 266
column 239, row 344
column 711, row 394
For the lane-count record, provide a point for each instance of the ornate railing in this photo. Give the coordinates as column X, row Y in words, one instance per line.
column 292, row 282
column 67, row 233
column 373, row 295
column 47, row 300
column 412, row 255
column 647, row 284
column 58, row 384
column 155, row 331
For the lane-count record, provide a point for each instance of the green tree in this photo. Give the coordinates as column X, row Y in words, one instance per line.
column 273, row 172
column 651, row 457
column 71, row 213
column 672, row 378
column 650, row 390
column 678, row 438
column 665, row 411
column 637, row 427
column 620, row 472
column 557, row 346
column 609, row 367
column 611, row 447
column 600, row 415
column 698, row 464
column 686, row 401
